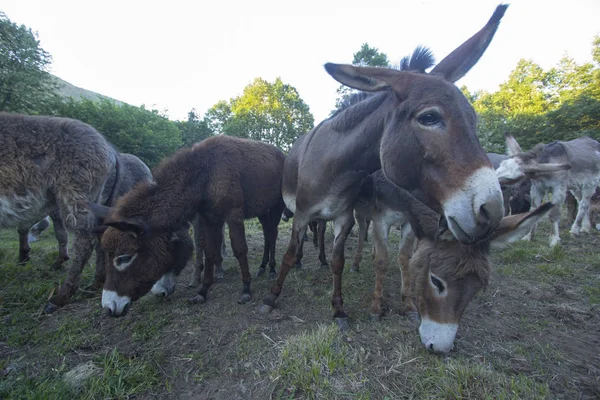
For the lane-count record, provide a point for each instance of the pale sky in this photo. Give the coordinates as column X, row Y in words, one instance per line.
column 176, row 55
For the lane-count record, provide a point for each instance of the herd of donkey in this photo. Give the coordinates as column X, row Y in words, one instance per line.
column 403, row 152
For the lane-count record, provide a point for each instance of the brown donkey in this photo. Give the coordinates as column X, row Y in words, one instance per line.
column 446, row 273
column 220, row 180
column 419, row 128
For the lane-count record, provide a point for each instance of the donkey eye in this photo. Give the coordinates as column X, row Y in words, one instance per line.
column 437, row 283
column 429, row 118
column 123, row 261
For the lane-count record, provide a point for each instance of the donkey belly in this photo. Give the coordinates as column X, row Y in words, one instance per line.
column 18, row 210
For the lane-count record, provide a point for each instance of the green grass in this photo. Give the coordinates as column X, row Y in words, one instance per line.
column 528, row 336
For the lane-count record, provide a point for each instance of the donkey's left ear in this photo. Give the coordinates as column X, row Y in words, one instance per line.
column 464, row 57
column 514, row 227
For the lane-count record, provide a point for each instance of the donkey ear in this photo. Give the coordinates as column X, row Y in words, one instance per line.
column 462, row 59
column 512, row 145
column 534, row 168
column 361, row 78
column 514, row 227
column 136, row 225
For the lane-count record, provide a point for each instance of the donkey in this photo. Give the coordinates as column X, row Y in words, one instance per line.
column 47, row 164
column 419, row 128
column 131, row 171
column 516, row 196
column 446, row 274
column 220, row 180
column 572, row 205
column 555, row 168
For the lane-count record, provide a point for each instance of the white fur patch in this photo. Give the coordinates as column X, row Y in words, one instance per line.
column 510, row 169
column 15, row 209
column 114, row 302
column 463, row 207
column 165, row 285
column 437, row 337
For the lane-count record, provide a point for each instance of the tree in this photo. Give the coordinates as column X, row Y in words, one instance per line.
column 367, row 56
column 193, row 130
column 136, row 130
column 269, row 112
column 25, row 86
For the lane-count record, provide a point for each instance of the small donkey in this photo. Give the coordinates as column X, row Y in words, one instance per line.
column 446, row 273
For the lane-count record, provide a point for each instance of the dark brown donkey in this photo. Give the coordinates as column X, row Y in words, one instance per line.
column 220, row 180
column 446, row 274
column 419, row 128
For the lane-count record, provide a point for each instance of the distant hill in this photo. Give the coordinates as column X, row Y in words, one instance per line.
column 69, row 90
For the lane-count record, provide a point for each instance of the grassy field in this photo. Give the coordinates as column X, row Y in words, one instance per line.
column 533, row 334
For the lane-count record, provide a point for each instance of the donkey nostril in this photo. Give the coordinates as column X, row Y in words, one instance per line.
column 430, row 347
column 108, row 311
column 485, row 214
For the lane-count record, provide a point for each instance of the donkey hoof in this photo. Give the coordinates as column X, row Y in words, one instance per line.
column 413, row 316
column 272, row 275
column 265, row 308
column 375, row 317
column 343, row 323
column 197, row 299
column 246, row 298
column 260, row 272
column 50, row 308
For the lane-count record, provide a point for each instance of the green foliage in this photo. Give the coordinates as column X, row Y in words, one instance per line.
column 24, row 83
column 193, row 130
column 136, row 130
column 268, row 112
column 538, row 106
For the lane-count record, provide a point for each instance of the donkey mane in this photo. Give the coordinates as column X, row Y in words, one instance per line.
column 419, row 61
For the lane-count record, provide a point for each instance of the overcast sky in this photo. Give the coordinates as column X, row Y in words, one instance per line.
column 178, row 54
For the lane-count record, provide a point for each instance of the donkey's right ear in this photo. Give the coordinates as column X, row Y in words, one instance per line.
column 99, row 211
column 361, row 78
column 512, row 146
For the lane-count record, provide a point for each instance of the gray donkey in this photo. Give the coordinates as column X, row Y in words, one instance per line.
column 48, row 164
column 131, row 171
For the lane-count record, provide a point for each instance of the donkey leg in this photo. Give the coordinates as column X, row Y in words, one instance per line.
column 199, row 247
column 24, row 248
column 558, row 198
column 300, row 252
column 182, row 251
column 362, row 224
column 274, row 219
column 83, row 247
column 100, row 272
column 321, row 227
column 240, row 251
column 583, row 212
column 62, row 237
column 407, row 243
column 211, row 233
column 264, row 223
column 537, row 195
column 343, row 226
column 367, row 230
column 380, row 236
column 314, row 228
column 289, row 260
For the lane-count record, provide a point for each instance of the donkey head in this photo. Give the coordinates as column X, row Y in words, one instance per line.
column 136, row 258
column 429, row 140
column 523, row 165
column 448, row 274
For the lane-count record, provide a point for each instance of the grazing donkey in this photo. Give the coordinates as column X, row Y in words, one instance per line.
column 47, row 164
column 555, row 168
column 131, row 171
column 516, row 195
column 419, row 128
column 446, row 274
column 220, row 180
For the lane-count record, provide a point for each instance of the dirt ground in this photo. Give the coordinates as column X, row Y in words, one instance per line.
column 534, row 333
